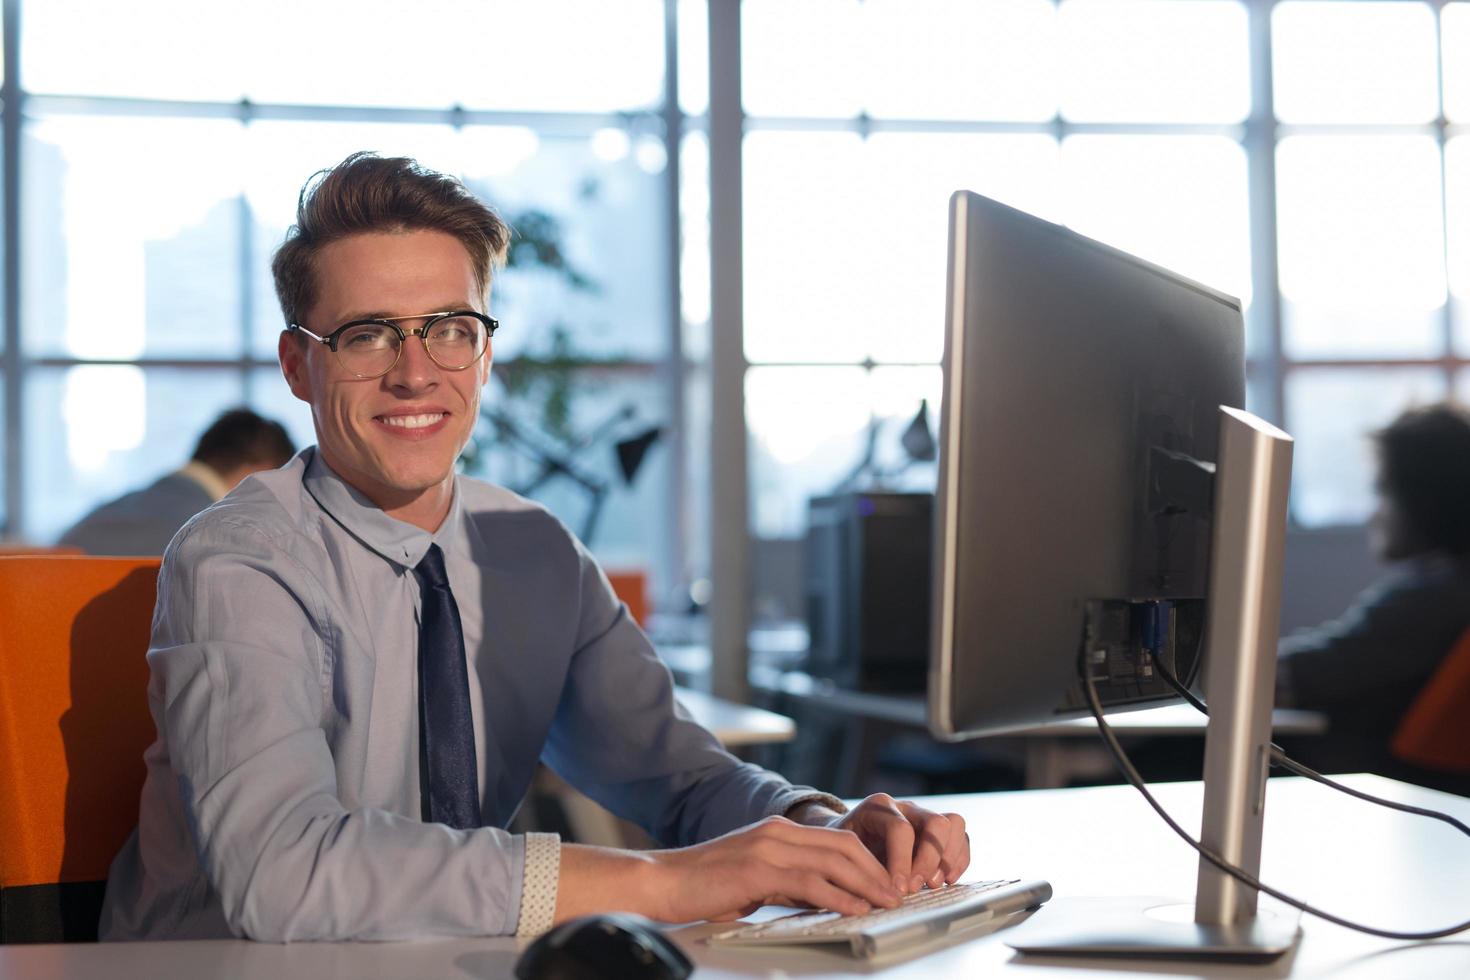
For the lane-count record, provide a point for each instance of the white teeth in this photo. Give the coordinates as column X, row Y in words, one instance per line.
column 412, row 421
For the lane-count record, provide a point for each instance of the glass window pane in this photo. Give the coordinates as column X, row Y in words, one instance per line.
column 581, row 55
column 912, row 177
column 957, row 59
column 810, row 248
column 694, row 56
column 97, row 431
column 156, row 49
column 1454, row 29
column 1331, row 412
column 1179, row 201
column 1457, row 207
column 605, row 57
column 808, row 428
column 801, row 59
column 1361, row 241
column 132, row 253
column 567, row 55
column 1155, row 61
column 1354, row 62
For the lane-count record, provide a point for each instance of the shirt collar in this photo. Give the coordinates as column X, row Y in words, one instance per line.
column 206, row 477
column 398, row 541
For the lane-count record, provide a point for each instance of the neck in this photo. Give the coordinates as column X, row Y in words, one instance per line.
column 426, row 510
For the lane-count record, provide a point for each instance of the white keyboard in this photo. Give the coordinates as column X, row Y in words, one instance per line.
column 924, row 914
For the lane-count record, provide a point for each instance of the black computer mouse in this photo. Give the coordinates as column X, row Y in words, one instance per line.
column 604, row 947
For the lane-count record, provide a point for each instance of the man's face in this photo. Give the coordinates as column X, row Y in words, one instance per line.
column 394, row 438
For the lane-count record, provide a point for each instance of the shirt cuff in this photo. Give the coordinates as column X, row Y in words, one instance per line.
column 539, row 877
column 787, row 802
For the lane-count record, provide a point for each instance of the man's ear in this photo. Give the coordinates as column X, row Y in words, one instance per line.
column 291, row 350
column 485, row 360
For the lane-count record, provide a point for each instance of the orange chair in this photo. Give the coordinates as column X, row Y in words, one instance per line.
column 1435, row 732
column 632, row 588
column 74, row 723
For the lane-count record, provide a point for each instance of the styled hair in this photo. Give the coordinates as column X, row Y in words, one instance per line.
column 239, row 437
column 369, row 193
column 1424, row 464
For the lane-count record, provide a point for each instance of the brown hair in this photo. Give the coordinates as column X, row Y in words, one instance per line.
column 367, row 193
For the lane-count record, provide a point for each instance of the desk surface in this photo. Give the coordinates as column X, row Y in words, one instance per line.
column 1361, row 861
column 736, row 725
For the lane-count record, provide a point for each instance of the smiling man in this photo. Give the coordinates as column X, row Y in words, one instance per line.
column 358, row 660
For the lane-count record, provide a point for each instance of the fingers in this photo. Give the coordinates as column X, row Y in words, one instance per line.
column 838, row 865
column 935, row 838
column 812, row 887
column 876, row 885
column 836, row 856
column 898, row 848
column 957, row 855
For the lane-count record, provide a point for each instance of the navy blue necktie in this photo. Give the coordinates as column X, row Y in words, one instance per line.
column 451, row 786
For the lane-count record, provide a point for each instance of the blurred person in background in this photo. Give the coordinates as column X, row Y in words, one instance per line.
column 1365, row 668
column 142, row 522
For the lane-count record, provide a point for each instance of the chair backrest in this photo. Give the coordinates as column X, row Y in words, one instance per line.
column 632, row 587
column 1435, row 732
column 74, row 722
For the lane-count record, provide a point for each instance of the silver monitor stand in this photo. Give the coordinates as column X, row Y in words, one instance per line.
column 1252, row 480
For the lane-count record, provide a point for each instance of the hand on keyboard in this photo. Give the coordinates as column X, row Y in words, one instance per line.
column 918, row 847
column 774, row 860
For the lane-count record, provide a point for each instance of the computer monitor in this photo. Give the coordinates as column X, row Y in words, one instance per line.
column 1081, row 519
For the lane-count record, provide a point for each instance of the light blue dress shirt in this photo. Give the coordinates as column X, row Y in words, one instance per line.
column 282, row 793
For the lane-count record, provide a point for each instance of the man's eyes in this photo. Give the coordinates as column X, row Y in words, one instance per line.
column 365, row 338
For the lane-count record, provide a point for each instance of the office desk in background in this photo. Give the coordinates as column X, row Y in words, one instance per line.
column 1365, row 862
column 1052, row 753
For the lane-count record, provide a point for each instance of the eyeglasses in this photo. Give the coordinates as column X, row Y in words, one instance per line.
column 369, row 348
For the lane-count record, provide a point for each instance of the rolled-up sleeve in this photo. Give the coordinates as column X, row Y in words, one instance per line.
column 620, row 736
column 241, row 683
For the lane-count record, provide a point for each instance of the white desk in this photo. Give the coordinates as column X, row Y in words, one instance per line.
column 736, row 725
column 1357, row 860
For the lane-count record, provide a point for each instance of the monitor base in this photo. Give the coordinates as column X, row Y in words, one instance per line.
column 1151, row 928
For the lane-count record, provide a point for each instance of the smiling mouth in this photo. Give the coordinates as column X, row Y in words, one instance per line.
column 412, row 421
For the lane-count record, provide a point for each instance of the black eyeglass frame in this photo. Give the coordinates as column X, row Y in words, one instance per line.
column 330, row 340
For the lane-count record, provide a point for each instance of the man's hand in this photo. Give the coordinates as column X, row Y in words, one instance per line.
column 774, row 861
column 918, row 847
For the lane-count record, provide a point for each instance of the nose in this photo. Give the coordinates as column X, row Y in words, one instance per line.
column 415, row 371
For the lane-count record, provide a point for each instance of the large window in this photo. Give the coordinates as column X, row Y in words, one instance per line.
column 1294, row 154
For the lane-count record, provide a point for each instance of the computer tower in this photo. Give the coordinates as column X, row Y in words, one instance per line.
column 867, row 589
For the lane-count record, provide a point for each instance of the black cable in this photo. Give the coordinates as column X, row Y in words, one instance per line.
column 1281, row 760
column 1240, row 874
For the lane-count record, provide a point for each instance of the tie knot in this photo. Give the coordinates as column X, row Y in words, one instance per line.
column 431, row 569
